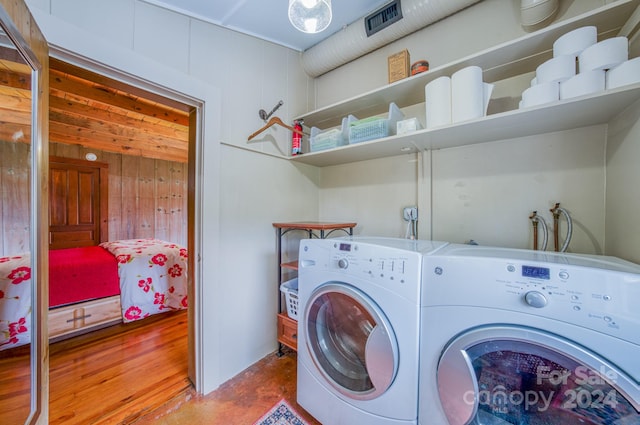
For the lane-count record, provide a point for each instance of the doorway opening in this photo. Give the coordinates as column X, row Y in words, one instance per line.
column 147, row 134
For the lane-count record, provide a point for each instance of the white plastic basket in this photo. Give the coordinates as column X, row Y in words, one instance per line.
column 290, row 291
column 332, row 138
column 375, row 127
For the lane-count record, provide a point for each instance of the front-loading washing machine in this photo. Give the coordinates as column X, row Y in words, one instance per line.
column 358, row 329
column 526, row 337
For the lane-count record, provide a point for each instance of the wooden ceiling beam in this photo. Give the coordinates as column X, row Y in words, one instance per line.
column 112, row 97
column 11, row 78
column 85, row 74
column 108, row 129
column 59, row 107
column 14, row 100
column 62, row 133
column 15, row 117
column 12, row 132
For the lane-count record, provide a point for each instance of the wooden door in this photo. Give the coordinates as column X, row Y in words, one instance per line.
column 77, row 199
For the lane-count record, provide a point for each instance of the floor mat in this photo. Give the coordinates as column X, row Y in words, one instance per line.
column 281, row 414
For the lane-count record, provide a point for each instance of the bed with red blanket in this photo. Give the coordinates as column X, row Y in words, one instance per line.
column 94, row 286
column 81, row 274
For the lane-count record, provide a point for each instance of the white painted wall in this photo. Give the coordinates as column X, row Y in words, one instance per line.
column 371, row 193
column 258, row 191
column 623, row 188
column 243, row 192
column 487, row 192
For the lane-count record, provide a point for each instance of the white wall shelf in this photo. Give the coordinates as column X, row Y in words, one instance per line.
column 509, row 59
column 561, row 115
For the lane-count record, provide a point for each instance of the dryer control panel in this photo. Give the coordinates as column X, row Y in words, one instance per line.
column 597, row 293
column 394, row 264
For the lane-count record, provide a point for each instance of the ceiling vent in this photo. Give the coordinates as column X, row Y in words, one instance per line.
column 383, row 17
column 353, row 41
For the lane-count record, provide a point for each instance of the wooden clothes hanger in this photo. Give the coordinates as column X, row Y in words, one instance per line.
column 272, row 121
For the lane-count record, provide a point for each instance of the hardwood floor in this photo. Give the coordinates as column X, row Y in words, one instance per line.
column 118, row 374
column 15, row 385
column 137, row 374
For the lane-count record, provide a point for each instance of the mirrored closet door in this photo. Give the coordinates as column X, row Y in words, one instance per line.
column 23, row 220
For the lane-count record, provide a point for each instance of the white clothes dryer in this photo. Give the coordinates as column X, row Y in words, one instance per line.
column 358, row 329
column 526, row 337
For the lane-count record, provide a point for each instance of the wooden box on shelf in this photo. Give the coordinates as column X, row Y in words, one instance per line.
column 398, row 66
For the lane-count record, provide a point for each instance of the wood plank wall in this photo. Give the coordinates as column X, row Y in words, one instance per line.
column 14, row 187
column 147, row 197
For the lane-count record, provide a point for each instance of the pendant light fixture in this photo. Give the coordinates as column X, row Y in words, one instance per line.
column 310, row 16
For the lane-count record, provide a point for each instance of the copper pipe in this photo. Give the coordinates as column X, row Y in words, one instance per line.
column 534, row 222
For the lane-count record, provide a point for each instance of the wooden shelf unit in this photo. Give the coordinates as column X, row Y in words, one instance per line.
column 288, row 327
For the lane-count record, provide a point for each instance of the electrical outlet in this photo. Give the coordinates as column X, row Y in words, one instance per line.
column 410, row 213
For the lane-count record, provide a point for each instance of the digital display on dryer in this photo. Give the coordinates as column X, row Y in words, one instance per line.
column 345, row 247
column 536, row 272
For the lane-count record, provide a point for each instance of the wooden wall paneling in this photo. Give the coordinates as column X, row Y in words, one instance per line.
column 15, row 213
column 185, row 190
column 104, row 204
column 129, row 215
column 65, row 150
column 178, row 202
column 163, row 197
column 114, row 215
column 130, row 166
column 146, row 198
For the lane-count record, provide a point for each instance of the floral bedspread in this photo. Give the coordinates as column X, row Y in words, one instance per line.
column 15, row 301
column 153, row 276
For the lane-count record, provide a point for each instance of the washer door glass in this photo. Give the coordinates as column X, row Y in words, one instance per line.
column 523, row 376
column 351, row 342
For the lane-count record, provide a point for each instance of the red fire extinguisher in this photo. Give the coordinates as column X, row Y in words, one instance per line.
column 296, row 138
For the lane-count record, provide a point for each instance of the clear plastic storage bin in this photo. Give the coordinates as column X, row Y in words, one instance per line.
column 375, row 127
column 290, row 291
column 327, row 139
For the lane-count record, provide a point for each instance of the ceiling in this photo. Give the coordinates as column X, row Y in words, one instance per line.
column 267, row 19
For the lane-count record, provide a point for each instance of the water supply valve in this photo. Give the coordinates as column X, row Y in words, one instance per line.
column 410, row 213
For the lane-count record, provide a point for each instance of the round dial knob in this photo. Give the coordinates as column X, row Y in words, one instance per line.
column 535, row 299
column 343, row 263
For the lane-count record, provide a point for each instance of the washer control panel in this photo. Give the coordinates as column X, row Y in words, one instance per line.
column 598, row 293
